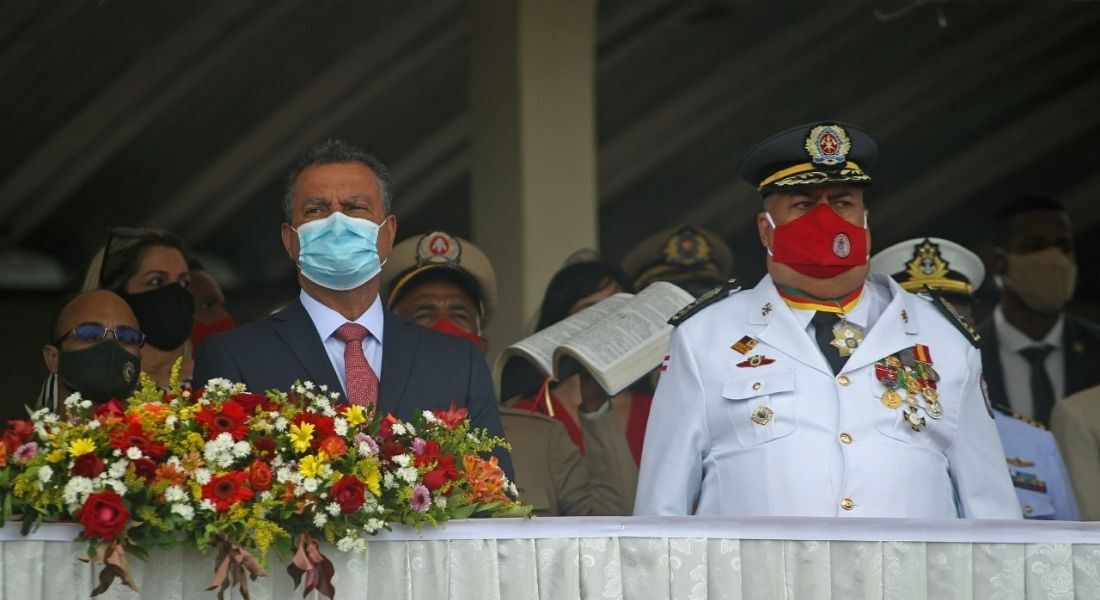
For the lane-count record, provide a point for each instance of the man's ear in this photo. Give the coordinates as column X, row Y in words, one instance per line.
column 764, row 229
column 51, row 355
column 386, row 235
column 290, row 242
column 996, row 258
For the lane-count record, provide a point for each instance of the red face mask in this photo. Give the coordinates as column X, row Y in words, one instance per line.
column 201, row 331
column 819, row 244
column 448, row 326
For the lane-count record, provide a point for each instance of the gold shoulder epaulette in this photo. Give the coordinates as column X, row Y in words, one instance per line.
column 954, row 317
column 1008, row 411
column 719, row 293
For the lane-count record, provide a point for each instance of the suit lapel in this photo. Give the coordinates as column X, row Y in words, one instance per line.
column 398, row 351
column 894, row 330
column 1080, row 362
column 297, row 331
column 780, row 328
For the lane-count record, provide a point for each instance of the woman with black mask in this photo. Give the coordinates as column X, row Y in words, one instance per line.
column 148, row 268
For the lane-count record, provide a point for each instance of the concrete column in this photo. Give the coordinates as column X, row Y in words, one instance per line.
column 532, row 94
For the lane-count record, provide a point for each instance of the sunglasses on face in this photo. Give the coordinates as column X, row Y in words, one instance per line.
column 94, row 332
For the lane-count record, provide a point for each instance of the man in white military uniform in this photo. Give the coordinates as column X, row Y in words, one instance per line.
column 820, row 392
column 1031, row 453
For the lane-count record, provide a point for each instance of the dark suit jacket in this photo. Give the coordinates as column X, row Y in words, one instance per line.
column 1081, row 340
column 421, row 368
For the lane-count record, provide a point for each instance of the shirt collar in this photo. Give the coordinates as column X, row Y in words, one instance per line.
column 327, row 320
column 1014, row 340
column 858, row 315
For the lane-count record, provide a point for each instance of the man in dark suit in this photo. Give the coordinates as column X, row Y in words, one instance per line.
column 1034, row 353
column 339, row 230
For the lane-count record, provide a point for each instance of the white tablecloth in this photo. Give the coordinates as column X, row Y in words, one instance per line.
column 631, row 558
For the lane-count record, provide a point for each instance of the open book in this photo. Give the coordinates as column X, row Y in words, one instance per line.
column 617, row 340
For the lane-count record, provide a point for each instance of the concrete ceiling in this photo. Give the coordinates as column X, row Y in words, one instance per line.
column 186, row 116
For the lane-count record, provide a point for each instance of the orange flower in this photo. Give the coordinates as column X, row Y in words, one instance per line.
column 3, row 456
column 333, row 446
column 486, row 479
column 168, row 474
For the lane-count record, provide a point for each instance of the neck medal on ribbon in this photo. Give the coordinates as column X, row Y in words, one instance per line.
column 910, row 372
column 846, row 338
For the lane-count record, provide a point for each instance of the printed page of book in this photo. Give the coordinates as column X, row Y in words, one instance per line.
column 537, row 350
column 628, row 342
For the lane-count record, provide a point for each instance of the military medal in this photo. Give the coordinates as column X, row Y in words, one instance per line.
column 934, row 410
column 846, row 338
column 762, row 415
column 911, row 416
column 889, row 378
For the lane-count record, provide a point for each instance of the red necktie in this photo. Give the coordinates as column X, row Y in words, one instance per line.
column 361, row 378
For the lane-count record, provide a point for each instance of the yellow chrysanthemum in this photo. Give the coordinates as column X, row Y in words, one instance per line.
column 312, row 466
column 81, row 447
column 56, row 456
column 301, row 435
column 368, row 473
column 355, row 415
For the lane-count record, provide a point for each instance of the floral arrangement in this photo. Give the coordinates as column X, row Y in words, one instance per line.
column 242, row 472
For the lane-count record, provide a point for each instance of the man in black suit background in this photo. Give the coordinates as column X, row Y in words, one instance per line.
column 1034, row 353
column 339, row 230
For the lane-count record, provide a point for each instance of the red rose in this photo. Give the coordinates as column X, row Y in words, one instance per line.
column 259, row 475
column 103, row 515
column 385, row 429
column 231, row 419
column 226, row 490
column 333, row 446
column 433, row 480
column 248, row 401
column 391, row 449
column 145, row 468
column 87, row 465
column 348, row 493
column 264, row 448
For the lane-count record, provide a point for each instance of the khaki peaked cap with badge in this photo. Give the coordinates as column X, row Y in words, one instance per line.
column 810, row 154
column 417, row 255
column 680, row 254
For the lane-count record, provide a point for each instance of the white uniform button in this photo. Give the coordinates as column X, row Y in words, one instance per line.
column 843, row 380
column 846, row 438
column 847, row 504
column 757, row 385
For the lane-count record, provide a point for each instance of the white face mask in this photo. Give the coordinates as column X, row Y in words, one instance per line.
column 1043, row 280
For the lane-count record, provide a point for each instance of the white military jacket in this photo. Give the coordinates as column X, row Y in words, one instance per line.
column 825, row 445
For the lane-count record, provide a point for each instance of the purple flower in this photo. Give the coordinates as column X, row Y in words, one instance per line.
column 421, row 499
column 418, row 445
column 362, row 438
column 26, row 452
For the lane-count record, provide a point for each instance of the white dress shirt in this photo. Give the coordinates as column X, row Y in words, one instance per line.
column 327, row 321
column 1016, row 369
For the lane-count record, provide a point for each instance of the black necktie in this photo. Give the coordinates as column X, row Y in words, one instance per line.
column 1042, row 391
column 823, row 331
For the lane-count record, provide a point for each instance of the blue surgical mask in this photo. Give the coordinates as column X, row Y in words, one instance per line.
column 339, row 252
